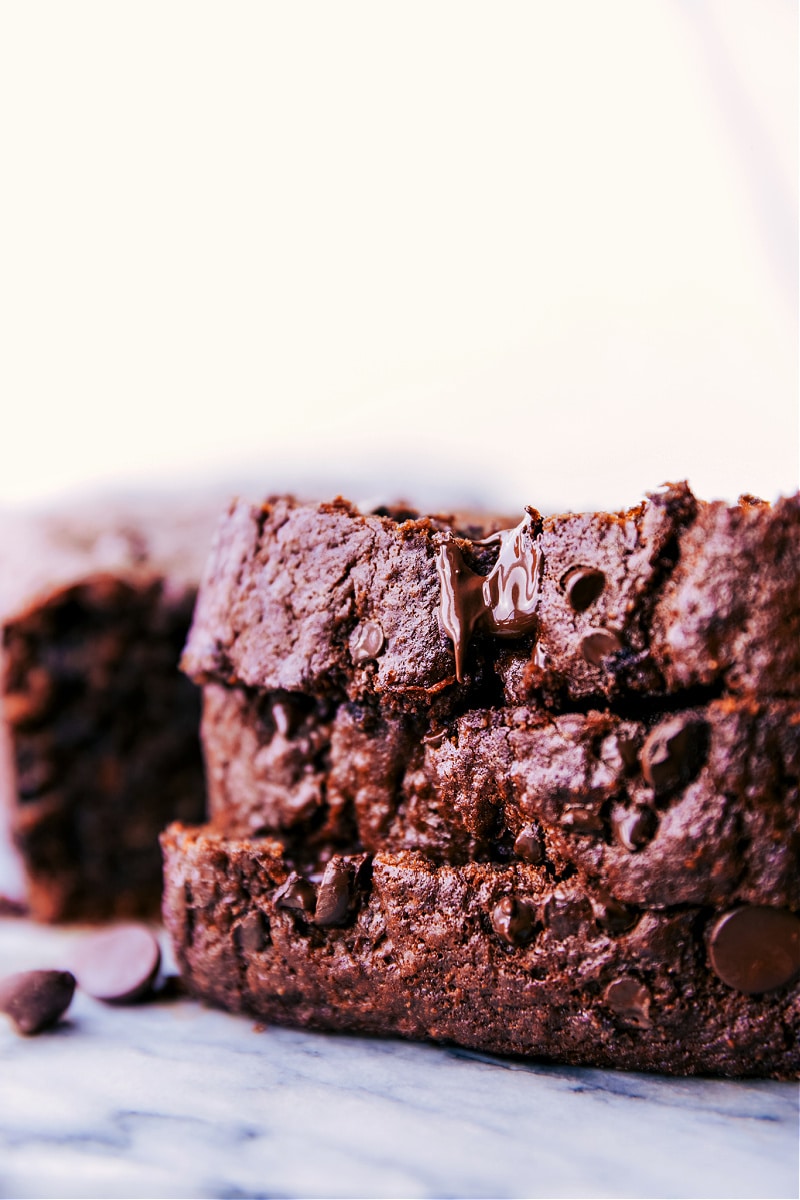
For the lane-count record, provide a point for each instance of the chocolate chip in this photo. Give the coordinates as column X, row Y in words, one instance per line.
column 513, row 921
column 335, row 895
column 599, row 644
column 502, row 603
column 118, row 965
column 34, row 1000
column 581, row 820
column 756, row 949
column 674, row 752
column 630, row 1000
column 252, row 933
column 635, row 827
column 296, row 893
column 366, row 642
column 540, row 658
column 583, row 585
column 612, row 915
column 529, row 844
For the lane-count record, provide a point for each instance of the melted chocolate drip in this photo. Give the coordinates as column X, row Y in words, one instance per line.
column 503, row 602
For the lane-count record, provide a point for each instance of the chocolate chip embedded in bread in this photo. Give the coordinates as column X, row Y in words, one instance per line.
column 756, row 949
column 600, row 644
column 252, row 933
column 635, row 827
column 296, row 893
column 611, row 915
column 540, row 658
column 336, row 892
column 502, row 603
column 35, row 1000
column 674, row 752
column 366, row 642
column 513, row 921
column 630, row 1000
column 583, row 586
column 119, row 965
column 529, row 844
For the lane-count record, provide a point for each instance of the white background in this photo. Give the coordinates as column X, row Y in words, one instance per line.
column 513, row 253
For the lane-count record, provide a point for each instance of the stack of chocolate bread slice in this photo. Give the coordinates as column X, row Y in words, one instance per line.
column 531, row 790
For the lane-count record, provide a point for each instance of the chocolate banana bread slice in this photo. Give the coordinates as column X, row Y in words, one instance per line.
column 492, row 956
column 670, row 596
column 692, row 806
column 101, row 728
column 533, row 790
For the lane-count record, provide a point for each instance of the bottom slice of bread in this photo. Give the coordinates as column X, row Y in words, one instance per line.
column 496, row 957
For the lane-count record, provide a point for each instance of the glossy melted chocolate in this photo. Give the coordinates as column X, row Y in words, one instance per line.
column 503, row 602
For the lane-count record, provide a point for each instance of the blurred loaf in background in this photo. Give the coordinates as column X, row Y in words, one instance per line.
column 99, row 734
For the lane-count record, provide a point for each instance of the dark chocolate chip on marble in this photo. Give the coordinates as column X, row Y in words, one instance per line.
column 296, row 893
column 35, row 1000
column 755, row 948
column 529, row 844
column 252, row 933
column 583, row 586
column 366, row 642
column 674, row 752
column 635, row 827
column 513, row 921
column 118, row 965
column 599, row 645
column 630, row 1000
column 336, row 892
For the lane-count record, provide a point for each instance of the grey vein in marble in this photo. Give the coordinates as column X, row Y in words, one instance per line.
column 177, row 1100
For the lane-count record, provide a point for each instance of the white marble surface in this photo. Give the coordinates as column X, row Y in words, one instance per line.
column 174, row 1099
